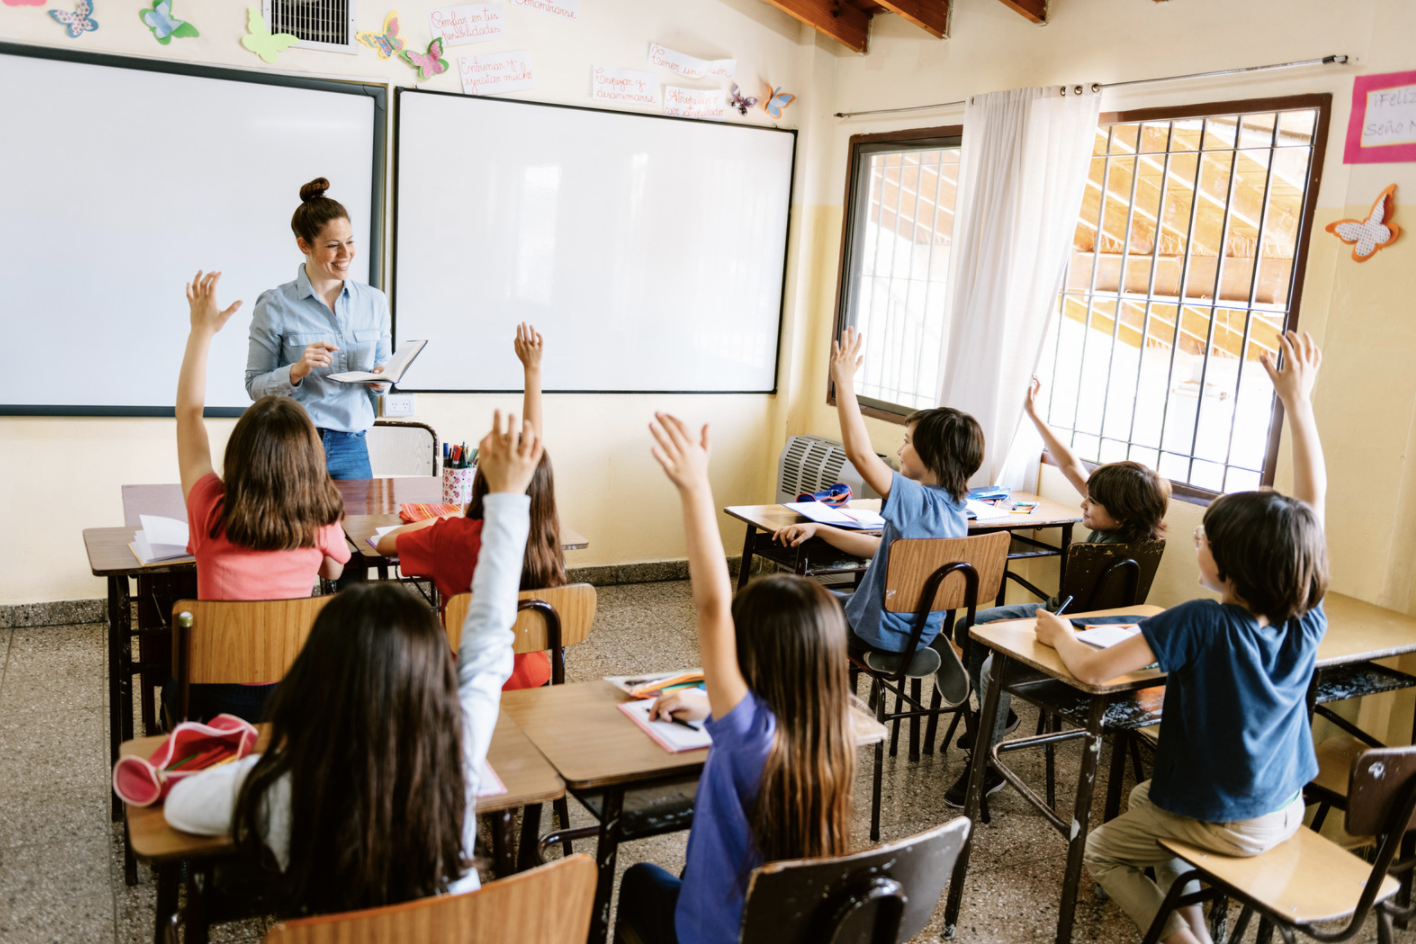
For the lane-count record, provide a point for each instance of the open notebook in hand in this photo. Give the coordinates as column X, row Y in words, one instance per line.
column 394, row 367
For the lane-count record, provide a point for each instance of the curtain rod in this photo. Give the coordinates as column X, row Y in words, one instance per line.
column 1098, row 86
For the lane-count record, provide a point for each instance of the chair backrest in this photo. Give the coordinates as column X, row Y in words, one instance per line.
column 248, row 642
column 882, row 896
column 547, row 619
column 550, row 904
column 402, row 448
column 914, row 560
column 1098, row 577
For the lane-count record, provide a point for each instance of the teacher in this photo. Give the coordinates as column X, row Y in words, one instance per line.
column 323, row 323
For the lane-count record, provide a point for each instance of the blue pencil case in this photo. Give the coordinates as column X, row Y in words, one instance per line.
column 835, row 496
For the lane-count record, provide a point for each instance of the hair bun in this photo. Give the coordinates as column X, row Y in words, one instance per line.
column 313, row 190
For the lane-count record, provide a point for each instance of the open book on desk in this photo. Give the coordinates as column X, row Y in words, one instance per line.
column 673, row 736
column 394, row 367
column 854, row 518
column 160, row 541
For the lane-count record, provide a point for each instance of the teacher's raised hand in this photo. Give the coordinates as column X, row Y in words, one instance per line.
column 318, row 354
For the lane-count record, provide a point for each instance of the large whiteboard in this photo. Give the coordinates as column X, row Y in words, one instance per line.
column 649, row 251
column 119, row 179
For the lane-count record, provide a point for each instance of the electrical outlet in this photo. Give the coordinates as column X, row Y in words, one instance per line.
column 398, row 404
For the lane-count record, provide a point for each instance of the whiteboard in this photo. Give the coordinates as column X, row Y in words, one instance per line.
column 649, row 251
column 120, row 178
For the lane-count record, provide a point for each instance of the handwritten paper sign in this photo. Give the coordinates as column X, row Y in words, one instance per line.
column 498, row 72
column 1382, row 129
column 474, row 23
column 709, row 104
column 628, row 86
column 566, row 9
column 688, row 66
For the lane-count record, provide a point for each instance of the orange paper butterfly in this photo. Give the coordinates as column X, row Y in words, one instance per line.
column 1374, row 233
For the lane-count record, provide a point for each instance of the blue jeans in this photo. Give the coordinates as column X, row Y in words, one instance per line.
column 648, row 897
column 346, row 454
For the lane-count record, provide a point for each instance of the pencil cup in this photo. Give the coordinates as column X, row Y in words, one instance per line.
column 457, row 485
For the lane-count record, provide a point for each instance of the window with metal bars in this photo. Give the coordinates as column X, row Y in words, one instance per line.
column 1187, row 263
column 895, row 263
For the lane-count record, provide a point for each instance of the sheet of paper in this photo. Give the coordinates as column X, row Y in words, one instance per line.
column 706, row 104
column 565, row 9
column 864, row 517
column 1104, row 637
column 624, row 86
column 373, row 539
column 690, row 66
column 1391, row 117
column 824, row 514
column 496, row 73
column 161, row 538
column 672, row 737
column 984, row 512
column 488, row 783
column 473, row 23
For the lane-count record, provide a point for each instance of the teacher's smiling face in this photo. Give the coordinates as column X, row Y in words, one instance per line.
column 330, row 256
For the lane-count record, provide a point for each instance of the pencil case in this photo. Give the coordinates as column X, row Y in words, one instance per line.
column 835, row 496
column 192, row 747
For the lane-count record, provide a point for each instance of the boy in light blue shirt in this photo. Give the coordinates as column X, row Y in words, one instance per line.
column 925, row 499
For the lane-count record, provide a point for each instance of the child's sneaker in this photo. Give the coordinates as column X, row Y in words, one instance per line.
column 958, row 794
column 951, row 676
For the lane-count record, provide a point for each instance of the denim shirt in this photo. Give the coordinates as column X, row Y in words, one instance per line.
column 291, row 317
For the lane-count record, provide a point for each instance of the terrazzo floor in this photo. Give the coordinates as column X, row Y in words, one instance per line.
column 61, row 874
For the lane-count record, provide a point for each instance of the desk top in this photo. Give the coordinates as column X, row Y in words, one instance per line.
column 360, row 528
column 526, row 774
column 1018, row 640
column 1047, row 514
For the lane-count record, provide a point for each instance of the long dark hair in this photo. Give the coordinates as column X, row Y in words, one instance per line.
column 368, row 727
column 544, row 562
column 278, row 492
column 791, row 645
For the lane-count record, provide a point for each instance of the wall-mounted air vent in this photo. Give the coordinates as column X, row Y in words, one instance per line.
column 319, row 24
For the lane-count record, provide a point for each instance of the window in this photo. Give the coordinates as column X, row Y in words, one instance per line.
column 895, row 263
column 1187, row 263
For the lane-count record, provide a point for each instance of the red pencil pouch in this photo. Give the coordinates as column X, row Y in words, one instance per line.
column 192, row 747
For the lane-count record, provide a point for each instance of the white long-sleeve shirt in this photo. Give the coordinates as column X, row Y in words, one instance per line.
column 205, row 804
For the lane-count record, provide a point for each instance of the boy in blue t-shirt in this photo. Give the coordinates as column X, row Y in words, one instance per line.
column 1235, row 746
column 925, row 499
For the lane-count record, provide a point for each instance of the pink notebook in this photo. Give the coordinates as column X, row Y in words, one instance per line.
column 674, row 738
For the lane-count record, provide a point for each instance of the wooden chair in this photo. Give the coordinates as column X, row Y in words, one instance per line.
column 546, row 905
column 926, row 575
column 1308, row 879
column 882, row 896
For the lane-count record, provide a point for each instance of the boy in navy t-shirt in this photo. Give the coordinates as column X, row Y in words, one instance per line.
column 925, row 499
column 1235, row 746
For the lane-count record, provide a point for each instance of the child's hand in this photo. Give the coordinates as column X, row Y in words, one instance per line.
column 793, row 535
column 1050, row 626
column 691, row 704
column 684, row 461
column 847, row 355
column 1301, row 359
column 1030, row 404
column 508, row 459
column 201, row 297
column 528, row 346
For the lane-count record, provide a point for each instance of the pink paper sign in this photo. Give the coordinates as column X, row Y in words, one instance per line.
column 1382, row 129
column 565, row 9
column 474, row 23
column 624, row 85
column 707, row 104
column 498, row 72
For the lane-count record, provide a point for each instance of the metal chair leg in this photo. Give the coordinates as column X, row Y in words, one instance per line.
column 932, row 729
column 917, row 692
column 953, row 726
column 877, row 700
column 562, row 809
column 1050, row 756
column 895, row 726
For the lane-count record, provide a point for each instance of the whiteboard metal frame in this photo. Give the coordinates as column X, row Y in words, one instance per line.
column 786, row 243
column 376, row 203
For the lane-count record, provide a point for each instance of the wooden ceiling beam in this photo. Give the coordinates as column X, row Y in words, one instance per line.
column 932, row 16
column 837, row 19
column 1034, row 10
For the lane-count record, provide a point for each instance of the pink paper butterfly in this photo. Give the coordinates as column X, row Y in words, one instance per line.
column 78, row 21
column 430, row 63
column 741, row 102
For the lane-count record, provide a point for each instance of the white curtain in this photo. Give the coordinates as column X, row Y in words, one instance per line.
column 1023, row 173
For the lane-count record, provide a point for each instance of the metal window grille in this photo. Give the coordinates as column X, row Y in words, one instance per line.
column 319, row 24
column 1181, row 277
column 897, row 265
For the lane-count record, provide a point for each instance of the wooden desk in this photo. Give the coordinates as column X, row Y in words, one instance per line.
column 528, row 778
column 816, row 558
column 359, row 528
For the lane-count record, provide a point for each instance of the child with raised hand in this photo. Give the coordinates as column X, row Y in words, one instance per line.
column 270, row 527
column 943, row 447
column 445, row 549
column 777, row 782
column 367, row 794
column 1236, row 748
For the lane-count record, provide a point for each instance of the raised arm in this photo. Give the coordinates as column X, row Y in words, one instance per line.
column 1072, row 467
column 685, row 460
column 528, row 351
column 846, row 358
column 193, row 447
column 1293, row 382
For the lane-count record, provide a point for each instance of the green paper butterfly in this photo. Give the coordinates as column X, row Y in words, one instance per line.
column 259, row 39
column 164, row 26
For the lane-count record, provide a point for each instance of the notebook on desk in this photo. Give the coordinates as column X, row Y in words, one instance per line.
column 671, row 736
column 853, row 518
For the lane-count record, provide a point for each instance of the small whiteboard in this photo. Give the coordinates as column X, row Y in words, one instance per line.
column 120, row 178
column 649, row 251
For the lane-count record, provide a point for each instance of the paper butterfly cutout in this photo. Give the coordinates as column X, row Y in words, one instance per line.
column 430, row 63
column 741, row 103
column 164, row 27
column 777, row 100
column 261, row 41
column 78, row 21
column 1368, row 236
column 385, row 43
